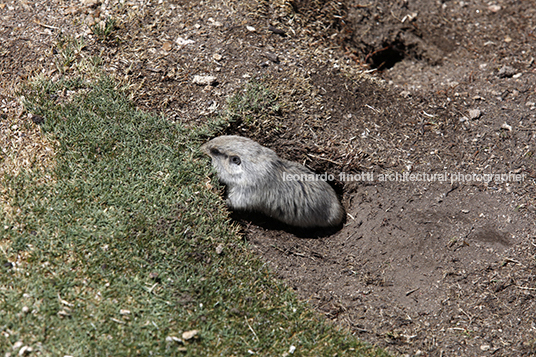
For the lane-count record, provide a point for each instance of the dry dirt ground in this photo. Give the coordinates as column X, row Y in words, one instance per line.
column 430, row 268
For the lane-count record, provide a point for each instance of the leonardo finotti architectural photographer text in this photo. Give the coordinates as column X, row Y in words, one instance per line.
column 443, row 177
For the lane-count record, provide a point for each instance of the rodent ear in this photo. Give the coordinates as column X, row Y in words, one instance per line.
column 215, row 151
column 235, row 160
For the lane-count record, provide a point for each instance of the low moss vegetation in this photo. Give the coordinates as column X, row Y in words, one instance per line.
column 124, row 247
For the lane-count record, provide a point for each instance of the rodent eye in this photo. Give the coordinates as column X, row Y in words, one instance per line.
column 235, row 160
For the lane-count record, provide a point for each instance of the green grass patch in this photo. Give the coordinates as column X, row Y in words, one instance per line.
column 255, row 109
column 123, row 247
column 104, row 29
column 255, row 100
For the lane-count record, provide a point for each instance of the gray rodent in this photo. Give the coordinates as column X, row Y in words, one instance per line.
column 259, row 180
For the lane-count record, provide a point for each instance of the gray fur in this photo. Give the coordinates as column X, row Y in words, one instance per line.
column 254, row 178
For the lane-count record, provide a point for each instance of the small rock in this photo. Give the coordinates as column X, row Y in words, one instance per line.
column 63, row 313
column 264, row 64
column 124, row 312
column 188, row 335
column 219, row 249
column 25, row 309
column 530, row 104
column 250, row 28
column 204, row 80
column 506, row 126
column 272, row 57
column 167, row 46
column 214, row 23
column 174, row 339
column 485, row 347
column 292, row 349
column 277, row 31
column 474, row 114
column 217, row 57
column 405, row 93
column 507, row 39
column 517, row 75
column 37, row 119
column 506, row 72
column 72, row 10
column 183, row 42
column 91, row 3
column 494, row 8
column 25, row 350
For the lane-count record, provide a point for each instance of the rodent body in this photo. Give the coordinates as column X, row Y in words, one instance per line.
column 259, row 180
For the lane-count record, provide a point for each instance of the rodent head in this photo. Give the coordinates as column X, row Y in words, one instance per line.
column 239, row 160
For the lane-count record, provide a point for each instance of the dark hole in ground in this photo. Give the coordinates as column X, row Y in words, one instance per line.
column 387, row 56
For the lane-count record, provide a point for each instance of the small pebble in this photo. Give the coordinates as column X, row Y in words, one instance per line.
column 506, row 72
column 250, row 28
column 506, row 126
column 272, row 57
column 25, row 350
column 204, row 80
column 187, row 335
column 174, row 339
column 214, row 23
column 183, row 42
column 292, row 349
column 474, row 114
column 167, row 46
column 91, row 3
column 277, row 31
